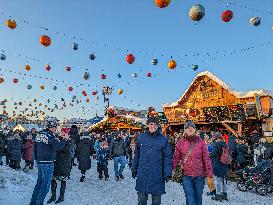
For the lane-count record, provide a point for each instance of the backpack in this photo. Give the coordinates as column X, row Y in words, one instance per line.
column 225, row 156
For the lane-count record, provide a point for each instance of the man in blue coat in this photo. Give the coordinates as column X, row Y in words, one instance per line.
column 152, row 164
column 46, row 146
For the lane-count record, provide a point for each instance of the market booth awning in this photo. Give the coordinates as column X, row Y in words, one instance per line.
column 119, row 122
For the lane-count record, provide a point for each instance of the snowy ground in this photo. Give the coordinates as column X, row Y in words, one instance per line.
column 16, row 188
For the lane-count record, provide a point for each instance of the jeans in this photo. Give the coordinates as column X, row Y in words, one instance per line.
column 193, row 189
column 119, row 160
column 143, row 198
column 45, row 173
column 1, row 160
column 221, row 185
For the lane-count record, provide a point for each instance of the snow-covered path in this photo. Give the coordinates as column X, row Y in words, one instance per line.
column 16, row 188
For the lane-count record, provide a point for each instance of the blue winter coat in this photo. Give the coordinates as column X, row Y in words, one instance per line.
column 152, row 163
column 102, row 157
column 232, row 144
column 219, row 169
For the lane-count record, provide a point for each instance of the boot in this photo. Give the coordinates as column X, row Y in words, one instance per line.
column 217, row 197
column 53, row 191
column 225, row 196
column 117, row 178
column 211, row 193
column 82, row 178
column 26, row 168
column 62, row 191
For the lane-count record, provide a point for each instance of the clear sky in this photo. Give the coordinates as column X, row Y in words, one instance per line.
column 131, row 26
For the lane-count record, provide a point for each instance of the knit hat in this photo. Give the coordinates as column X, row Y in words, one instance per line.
column 189, row 124
column 152, row 119
column 217, row 136
column 51, row 124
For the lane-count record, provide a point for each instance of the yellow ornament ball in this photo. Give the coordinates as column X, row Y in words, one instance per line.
column 27, row 67
column 120, row 91
column 172, row 64
column 42, row 87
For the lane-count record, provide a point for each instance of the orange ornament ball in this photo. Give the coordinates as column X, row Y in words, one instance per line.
column 27, row 67
column 45, row 40
column 172, row 64
column 11, row 24
column 162, row 3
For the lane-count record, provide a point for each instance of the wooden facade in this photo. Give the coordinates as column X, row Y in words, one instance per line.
column 210, row 100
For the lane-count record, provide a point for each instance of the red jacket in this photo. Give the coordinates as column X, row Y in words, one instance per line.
column 198, row 164
column 28, row 148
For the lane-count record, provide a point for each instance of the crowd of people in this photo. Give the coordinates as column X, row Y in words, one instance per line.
column 152, row 157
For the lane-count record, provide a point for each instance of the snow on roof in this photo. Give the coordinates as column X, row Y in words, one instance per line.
column 225, row 86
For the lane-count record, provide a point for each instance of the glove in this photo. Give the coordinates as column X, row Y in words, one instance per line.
column 168, row 178
column 134, row 174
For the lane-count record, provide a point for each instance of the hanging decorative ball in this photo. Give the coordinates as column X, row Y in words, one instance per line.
column 27, row 67
column 162, row 3
column 97, row 97
column 48, row 101
column 47, row 67
column 86, row 76
column 87, row 100
column 103, row 76
column 255, row 21
column 92, row 56
column 2, row 80
column 54, row 87
column 68, row 68
column 62, row 99
column 134, row 75
column 154, row 61
column 4, row 106
column 75, row 46
column 15, row 108
column 195, row 67
column 3, row 57
column 42, row 87
column 227, row 15
column 29, row 87
column 34, row 100
column 74, row 97
column 70, row 89
column 120, row 91
column 20, row 103
column 149, row 75
column 11, row 24
column 172, row 64
column 15, row 80
column 94, row 93
column 197, row 12
column 119, row 75
column 45, row 40
column 130, row 58
column 84, row 93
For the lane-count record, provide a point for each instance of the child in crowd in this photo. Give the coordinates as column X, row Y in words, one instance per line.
column 27, row 152
column 102, row 158
column 14, row 150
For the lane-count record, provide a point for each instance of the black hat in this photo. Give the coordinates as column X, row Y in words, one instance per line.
column 189, row 124
column 152, row 119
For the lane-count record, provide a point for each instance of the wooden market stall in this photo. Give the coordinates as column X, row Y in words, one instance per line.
column 209, row 100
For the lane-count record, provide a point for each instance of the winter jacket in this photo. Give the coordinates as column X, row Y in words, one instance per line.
column 102, row 157
column 63, row 160
column 28, row 149
column 198, row 163
column 2, row 144
column 152, row 163
column 232, row 144
column 242, row 152
column 74, row 135
column 269, row 152
column 118, row 148
column 14, row 149
column 219, row 169
column 84, row 152
column 133, row 146
column 46, row 146
column 255, row 138
column 210, row 148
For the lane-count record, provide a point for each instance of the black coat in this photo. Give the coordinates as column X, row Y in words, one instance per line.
column 2, row 144
column 242, row 152
column 63, row 160
column 14, row 149
column 118, row 148
column 219, row 169
column 269, row 152
column 74, row 135
column 84, row 153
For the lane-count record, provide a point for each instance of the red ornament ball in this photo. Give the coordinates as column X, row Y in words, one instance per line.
column 130, row 58
column 227, row 15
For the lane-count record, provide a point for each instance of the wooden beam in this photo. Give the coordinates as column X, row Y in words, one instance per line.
column 230, row 129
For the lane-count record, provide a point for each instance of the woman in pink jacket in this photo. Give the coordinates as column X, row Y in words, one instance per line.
column 196, row 164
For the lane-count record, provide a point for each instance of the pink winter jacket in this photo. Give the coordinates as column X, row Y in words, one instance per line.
column 198, row 164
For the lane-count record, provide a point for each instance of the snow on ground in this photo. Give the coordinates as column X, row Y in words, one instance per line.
column 16, row 189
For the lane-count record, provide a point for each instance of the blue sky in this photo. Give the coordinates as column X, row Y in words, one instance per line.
column 132, row 26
